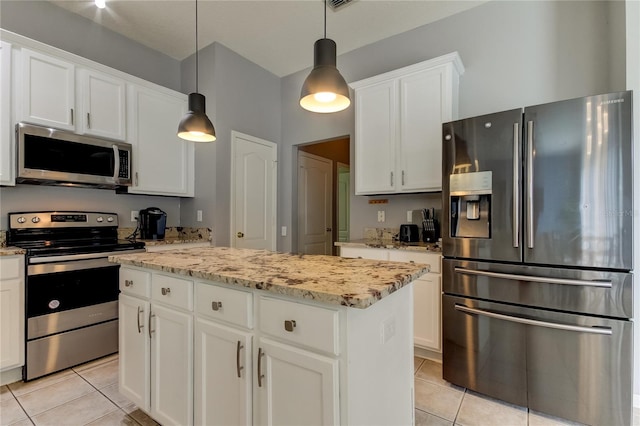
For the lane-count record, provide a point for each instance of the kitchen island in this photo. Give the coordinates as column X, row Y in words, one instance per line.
column 235, row 336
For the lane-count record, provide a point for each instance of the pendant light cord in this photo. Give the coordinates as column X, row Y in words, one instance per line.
column 325, row 18
column 197, row 46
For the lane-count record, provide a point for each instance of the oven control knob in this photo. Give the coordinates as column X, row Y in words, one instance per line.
column 21, row 219
column 110, row 219
column 35, row 219
column 100, row 219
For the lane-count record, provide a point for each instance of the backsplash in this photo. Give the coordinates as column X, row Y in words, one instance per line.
column 380, row 233
column 175, row 232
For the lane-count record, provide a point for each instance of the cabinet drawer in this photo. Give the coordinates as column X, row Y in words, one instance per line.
column 135, row 282
column 10, row 267
column 172, row 291
column 225, row 304
column 305, row 325
column 432, row 259
column 364, row 253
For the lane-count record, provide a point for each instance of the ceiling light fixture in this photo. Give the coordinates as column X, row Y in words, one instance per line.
column 195, row 126
column 324, row 90
column 101, row 4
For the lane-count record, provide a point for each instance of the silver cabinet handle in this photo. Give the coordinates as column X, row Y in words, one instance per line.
column 128, row 283
column 88, row 121
column 515, row 212
column 530, row 184
column 216, row 306
column 260, row 375
column 165, row 291
column 403, row 178
column 238, row 367
column 72, row 116
column 240, row 234
column 136, row 178
column 527, row 321
column 140, row 311
column 532, row 278
column 391, row 178
column 116, row 162
column 151, row 315
column 289, row 325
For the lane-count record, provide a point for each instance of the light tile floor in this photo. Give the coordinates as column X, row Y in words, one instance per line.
column 88, row 395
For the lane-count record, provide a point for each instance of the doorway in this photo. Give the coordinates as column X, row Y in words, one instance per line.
column 338, row 191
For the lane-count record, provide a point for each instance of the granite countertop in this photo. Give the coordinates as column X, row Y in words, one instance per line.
column 173, row 240
column 11, row 251
column 355, row 283
column 391, row 244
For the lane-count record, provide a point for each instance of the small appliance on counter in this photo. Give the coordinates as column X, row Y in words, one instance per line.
column 409, row 233
column 153, row 223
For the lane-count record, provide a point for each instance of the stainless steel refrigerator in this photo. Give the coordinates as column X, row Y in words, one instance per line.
column 537, row 245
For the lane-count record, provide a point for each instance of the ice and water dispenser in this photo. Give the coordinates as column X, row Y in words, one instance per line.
column 470, row 198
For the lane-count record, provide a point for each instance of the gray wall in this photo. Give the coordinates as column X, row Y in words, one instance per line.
column 49, row 24
column 243, row 97
column 516, row 53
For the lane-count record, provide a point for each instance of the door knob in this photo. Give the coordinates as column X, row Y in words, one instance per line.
column 239, row 234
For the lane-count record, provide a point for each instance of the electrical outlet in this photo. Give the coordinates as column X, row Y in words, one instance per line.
column 134, row 215
column 380, row 215
column 409, row 216
column 199, row 215
column 387, row 329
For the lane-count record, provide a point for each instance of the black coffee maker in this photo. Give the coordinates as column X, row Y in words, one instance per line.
column 153, row 222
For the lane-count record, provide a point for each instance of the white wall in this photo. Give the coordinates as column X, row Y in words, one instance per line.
column 515, row 53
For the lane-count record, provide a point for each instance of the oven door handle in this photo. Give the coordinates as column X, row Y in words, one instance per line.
column 535, row 279
column 64, row 258
column 566, row 327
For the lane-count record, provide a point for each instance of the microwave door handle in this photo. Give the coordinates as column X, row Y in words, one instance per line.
column 116, row 159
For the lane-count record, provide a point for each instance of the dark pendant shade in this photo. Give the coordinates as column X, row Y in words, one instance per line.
column 324, row 90
column 195, row 125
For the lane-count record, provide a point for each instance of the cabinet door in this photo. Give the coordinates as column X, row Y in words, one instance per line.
column 133, row 343
column 296, row 387
column 223, row 378
column 426, row 312
column 420, row 143
column 171, row 366
column 11, row 312
column 48, row 91
column 103, row 105
column 375, row 137
column 162, row 162
column 7, row 156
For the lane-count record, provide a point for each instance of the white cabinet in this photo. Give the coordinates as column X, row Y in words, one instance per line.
column 427, row 291
column 162, row 162
column 11, row 312
column 7, row 163
column 156, row 344
column 295, row 386
column 398, row 134
column 102, row 101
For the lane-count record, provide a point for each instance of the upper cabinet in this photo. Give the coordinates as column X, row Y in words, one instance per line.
column 55, row 93
column 398, row 133
column 163, row 163
column 6, row 147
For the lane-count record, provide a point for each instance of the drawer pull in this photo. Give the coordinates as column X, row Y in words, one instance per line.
column 238, row 367
column 165, row 290
column 216, row 306
column 289, row 325
column 128, row 283
column 260, row 375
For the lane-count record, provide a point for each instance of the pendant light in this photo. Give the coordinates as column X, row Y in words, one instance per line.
column 324, row 90
column 195, row 126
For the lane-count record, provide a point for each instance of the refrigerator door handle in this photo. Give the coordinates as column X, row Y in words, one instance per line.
column 516, row 188
column 530, row 184
column 527, row 321
column 533, row 278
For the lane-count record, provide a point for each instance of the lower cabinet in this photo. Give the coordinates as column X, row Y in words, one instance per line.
column 11, row 312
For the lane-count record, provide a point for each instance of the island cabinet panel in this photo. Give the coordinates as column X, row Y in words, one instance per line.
column 11, row 312
column 223, row 375
column 296, row 387
column 134, row 346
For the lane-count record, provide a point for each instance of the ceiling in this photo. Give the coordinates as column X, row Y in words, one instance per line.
column 278, row 35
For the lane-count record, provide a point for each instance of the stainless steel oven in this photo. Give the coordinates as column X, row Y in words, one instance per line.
column 71, row 289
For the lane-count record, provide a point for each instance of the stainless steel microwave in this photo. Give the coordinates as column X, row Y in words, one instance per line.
column 56, row 157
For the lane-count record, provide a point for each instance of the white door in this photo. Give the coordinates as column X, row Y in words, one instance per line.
column 315, row 207
column 103, row 103
column 344, row 198
column 296, row 387
column 171, row 366
column 133, row 342
column 48, row 91
column 223, row 378
column 253, row 192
